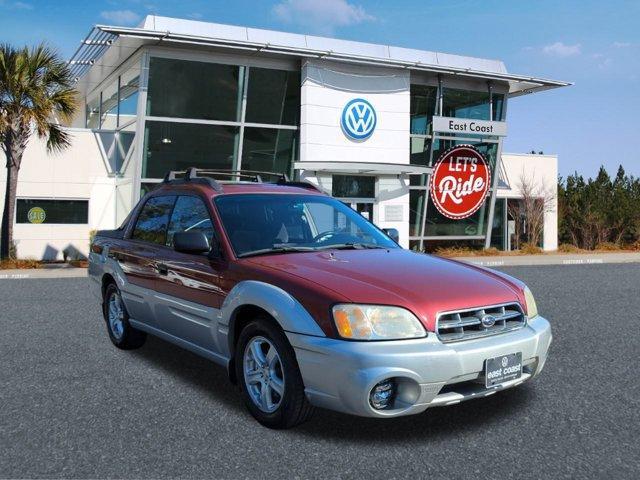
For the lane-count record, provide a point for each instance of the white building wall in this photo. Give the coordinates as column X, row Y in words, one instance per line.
column 542, row 170
column 326, row 88
column 78, row 173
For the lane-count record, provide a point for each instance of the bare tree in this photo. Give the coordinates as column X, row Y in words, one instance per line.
column 528, row 213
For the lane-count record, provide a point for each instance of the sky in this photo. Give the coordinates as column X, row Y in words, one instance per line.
column 594, row 44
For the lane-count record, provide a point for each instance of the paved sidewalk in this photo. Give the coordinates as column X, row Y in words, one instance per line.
column 68, row 272
column 554, row 259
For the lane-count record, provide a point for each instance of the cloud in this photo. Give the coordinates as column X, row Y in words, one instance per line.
column 16, row 5
column 321, row 15
column 195, row 16
column 559, row 49
column 124, row 17
column 621, row 44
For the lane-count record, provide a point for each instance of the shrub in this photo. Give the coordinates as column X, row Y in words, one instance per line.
column 568, row 248
column 529, row 249
column 608, row 246
column 14, row 264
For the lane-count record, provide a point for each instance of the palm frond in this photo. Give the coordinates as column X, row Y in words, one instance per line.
column 57, row 138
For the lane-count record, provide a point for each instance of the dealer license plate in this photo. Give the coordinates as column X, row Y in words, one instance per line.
column 502, row 369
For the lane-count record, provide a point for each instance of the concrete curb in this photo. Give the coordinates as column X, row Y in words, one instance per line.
column 553, row 259
column 43, row 273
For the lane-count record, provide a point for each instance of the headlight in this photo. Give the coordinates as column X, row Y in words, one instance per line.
column 532, row 308
column 376, row 322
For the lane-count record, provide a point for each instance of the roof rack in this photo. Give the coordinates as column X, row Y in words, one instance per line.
column 211, row 177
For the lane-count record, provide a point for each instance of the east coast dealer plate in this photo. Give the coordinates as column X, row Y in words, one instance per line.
column 502, row 369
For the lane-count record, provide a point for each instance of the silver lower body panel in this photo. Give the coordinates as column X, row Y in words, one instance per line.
column 339, row 374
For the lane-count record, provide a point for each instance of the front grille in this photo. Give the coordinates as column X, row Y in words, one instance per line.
column 467, row 324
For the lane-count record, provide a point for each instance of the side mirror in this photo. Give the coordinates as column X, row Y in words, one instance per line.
column 191, row 242
column 392, row 233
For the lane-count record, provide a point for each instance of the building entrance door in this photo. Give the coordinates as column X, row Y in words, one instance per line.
column 363, row 208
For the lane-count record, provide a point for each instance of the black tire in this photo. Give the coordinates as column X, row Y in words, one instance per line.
column 130, row 338
column 294, row 407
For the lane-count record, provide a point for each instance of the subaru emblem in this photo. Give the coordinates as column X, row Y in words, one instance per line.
column 488, row 320
column 358, row 119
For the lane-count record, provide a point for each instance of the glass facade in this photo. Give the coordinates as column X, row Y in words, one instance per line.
column 178, row 146
column 200, row 90
column 273, row 96
column 219, row 116
column 466, row 104
column 426, row 223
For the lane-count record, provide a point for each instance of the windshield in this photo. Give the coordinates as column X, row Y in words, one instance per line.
column 266, row 223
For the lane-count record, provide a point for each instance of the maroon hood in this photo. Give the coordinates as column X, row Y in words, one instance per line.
column 421, row 283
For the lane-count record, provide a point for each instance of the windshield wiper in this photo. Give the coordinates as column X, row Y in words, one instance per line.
column 278, row 249
column 352, row 245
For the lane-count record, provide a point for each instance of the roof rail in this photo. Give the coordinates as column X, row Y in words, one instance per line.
column 208, row 177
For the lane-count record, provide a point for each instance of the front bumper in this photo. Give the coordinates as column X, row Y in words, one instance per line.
column 339, row 374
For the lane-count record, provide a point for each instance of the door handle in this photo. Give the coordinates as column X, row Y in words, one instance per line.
column 162, row 269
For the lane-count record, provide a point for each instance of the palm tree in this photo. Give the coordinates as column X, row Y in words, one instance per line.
column 36, row 91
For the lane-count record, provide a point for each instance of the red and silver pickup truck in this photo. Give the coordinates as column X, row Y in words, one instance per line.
column 306, row 303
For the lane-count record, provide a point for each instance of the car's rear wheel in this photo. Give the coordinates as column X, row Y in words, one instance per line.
column 121, row 333
column 269, row 378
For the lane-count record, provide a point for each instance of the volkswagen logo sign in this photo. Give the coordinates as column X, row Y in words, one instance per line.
column 358, row 119
column 505, row 362
column 488, row 320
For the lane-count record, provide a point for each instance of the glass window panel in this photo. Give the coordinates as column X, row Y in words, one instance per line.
column 417, row 199
column 353, row 186
column 151, row 225
column 498, row 227
column 180, row 88
column 93, row 113
column 189, row 215
column 498, row 107
column 419, row 150
column 268, row 149
column 178, row 146
column 52, row 211
column 423, row 106
column 437, row 224
column 466, row 104
column 273, row 96
column 129, row 83
column 109, row 107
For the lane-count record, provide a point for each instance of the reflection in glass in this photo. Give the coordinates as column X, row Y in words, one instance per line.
column 189, row 215
column 151, row 225
column 93, row 113
column 109, row 107
column 423, row 106
column 466, row 104
column 437, row 224
column 273, row 96
column 178, row 146
column 417, row 199
column 200, row 90
column 268, row 149
column 498, row 107
column 129, row 83
column 353, row 186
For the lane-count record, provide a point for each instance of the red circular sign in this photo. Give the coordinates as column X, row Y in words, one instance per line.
column 460, row 182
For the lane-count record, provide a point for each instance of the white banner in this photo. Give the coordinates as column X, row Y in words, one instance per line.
column 465, row 125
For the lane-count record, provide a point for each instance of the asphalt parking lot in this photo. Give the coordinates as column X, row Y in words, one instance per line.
column 71, row 405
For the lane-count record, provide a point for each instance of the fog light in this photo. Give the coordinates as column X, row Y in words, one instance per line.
column 382, row 394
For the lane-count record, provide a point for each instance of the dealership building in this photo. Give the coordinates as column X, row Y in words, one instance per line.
column 366, row 123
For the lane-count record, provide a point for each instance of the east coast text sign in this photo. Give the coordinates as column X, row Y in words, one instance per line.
column 460, row 182
column 473, row 127
column 358, row 119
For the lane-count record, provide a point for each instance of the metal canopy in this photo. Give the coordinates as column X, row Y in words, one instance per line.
column 370, row 168
column 171, row 31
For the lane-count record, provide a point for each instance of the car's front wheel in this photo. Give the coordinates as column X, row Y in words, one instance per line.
column 269, row 377
column 121, row 333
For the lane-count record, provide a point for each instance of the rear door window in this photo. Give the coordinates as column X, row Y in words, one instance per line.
column 151, row 225
column 190, row 214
